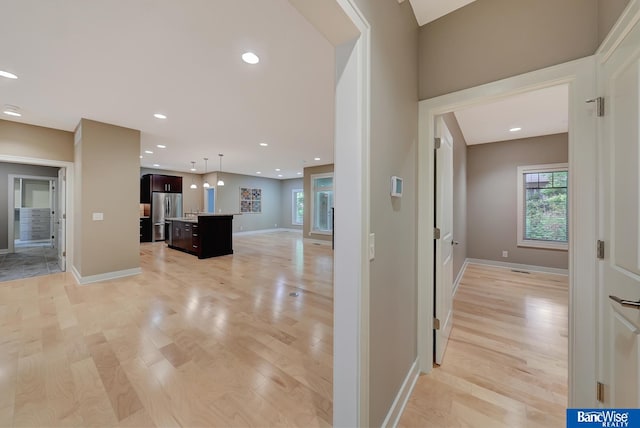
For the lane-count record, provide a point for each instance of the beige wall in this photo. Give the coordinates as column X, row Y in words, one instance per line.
column 492, row 193
column 286, row 207
column 608, row 13
column 459, row 193
column 393, row 151
column 489, row 40
column 107, row 181
column 19, row 139
column 308, row 172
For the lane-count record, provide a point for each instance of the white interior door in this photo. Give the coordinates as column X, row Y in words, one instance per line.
column 61, row 219
column 619, row 321
column 443, row 298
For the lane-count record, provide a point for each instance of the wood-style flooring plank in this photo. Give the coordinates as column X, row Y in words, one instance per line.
column 506, row 361
column 216, row 342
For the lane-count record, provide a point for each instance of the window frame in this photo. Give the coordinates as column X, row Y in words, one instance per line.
column 294, row 207
column 312, row 215
column 528, row 169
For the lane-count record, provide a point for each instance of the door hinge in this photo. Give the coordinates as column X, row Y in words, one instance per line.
column 600, row 249
column 436, row 324
column 64, row 216
column 436, row 233
column 437, row 142
column 600, row 391
column 599, row 105
column 64, row 254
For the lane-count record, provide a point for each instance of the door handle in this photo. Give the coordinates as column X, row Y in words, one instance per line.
column 626, row 303
column 455, row 243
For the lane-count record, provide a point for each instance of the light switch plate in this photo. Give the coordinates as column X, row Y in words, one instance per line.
column 372, row 246
column 98, row 216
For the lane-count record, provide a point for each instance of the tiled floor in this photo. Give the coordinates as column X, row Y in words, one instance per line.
column 28, row 262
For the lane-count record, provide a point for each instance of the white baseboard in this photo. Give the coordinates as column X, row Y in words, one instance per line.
column 103, row 276
column 459, row 277
column 4, row 251
column 518, row 266
column 400, row 402
column 259, row 231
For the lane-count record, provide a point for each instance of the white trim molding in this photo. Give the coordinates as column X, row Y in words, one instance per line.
column 459, row 277
column 103, row 276
column 402, row 397
column 518, row 266
column 580, row 76
column 261, row 231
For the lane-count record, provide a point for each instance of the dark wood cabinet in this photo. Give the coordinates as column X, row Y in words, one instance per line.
column 209, row 236
column 145, row 229
column 150, row 183
column 166, row 183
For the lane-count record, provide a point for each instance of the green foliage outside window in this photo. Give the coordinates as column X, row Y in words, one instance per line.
column 546, row 206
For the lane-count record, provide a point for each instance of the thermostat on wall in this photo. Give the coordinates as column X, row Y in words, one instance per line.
column 396, row 186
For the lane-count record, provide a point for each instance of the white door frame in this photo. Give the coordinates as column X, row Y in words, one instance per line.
column 351, row 262
column 580, row 76
column 68, row 192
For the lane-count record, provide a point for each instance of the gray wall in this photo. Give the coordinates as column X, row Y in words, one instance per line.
column 492, row 193
column 16, row 169
column 393, row 151
column 228, row 200
column 286, row 207
column 489, row 40
column 459, row 193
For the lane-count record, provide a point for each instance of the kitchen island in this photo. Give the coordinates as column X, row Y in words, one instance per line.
column 204, row 235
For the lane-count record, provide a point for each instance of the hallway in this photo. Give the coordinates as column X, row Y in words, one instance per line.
column 506, row 361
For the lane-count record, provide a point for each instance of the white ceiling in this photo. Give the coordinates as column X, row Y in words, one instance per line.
column 430, row 10
column 540, row 112
column 119, row 62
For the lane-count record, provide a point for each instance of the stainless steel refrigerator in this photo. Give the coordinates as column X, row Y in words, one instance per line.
column 164, row 205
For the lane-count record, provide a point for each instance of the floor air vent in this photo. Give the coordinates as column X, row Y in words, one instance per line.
column 520, row 271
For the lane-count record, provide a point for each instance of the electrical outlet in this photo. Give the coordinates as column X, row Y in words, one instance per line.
column 98, row 216
column 505, row 254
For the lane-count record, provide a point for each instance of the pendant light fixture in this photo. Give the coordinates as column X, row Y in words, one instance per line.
column 220, row 182
column 193, row 183
column 206, row 182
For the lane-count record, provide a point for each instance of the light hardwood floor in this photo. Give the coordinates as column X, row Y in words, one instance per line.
column 506, row 362
column 216, row 342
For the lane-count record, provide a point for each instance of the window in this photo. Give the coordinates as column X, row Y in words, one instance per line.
column 297, row 203
column 322, row 203
column 543, row 206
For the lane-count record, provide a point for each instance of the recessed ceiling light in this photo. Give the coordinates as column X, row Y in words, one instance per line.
column 250, row 58
column 10, row 110
column 140, row 156
column 516, row 129
column 316, row 159
column 299, row 173
column 161, row 146
column 277, row 169
column 264, row 144
column 159, row 116
column 279, row 175
column 258, row 172
column 149, row 152
column 155, row 164
column 7, row 75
